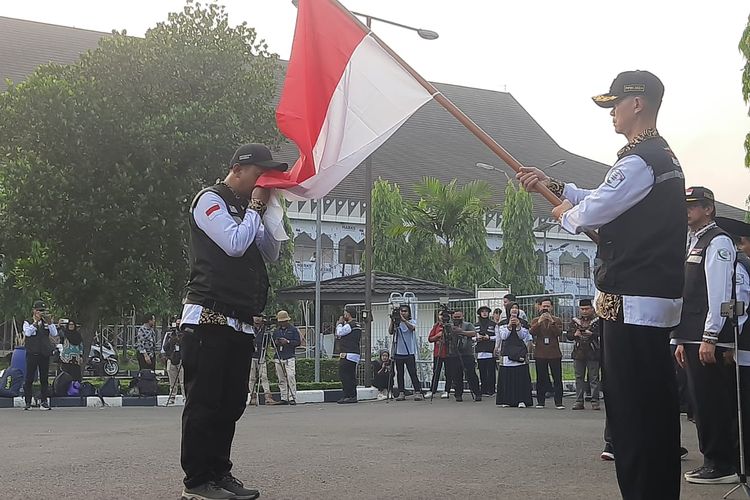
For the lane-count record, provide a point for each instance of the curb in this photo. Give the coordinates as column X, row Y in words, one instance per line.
column 314, row 396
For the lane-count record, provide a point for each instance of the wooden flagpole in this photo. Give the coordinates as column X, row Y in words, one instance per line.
column 454, row 110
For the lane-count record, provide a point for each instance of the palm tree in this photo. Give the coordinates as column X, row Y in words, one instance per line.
column 450, row 214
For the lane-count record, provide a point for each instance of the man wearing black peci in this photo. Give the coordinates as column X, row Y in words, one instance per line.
column 639, row 211
column 704, row 337
column 349, row 332
column 228, row 286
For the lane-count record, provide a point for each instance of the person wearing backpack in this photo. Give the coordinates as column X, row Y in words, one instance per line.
column 37, row 333
column 71, row 357
column 511, row 345
column 171, row 351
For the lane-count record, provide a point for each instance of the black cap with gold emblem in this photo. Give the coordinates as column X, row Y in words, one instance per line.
column 699, row 193
column 630, row 83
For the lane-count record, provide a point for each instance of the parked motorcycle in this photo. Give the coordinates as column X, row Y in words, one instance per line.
column 102, row 358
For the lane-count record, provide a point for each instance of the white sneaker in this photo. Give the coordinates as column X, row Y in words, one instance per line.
column 504, row 406
column 381, row 396
column 522, row 405
column 561, row 407
column 444, row 395
column 427, row 395
column 539, row 406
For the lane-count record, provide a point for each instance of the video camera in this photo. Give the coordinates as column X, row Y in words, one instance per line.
column 396, row 314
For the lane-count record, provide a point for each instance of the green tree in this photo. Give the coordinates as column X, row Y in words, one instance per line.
column 517, row 258
column 99, row 160
column 389, row 250
column 454, row 217
column 744, row 47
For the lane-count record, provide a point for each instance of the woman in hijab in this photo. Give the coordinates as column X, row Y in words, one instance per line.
column 71, row 357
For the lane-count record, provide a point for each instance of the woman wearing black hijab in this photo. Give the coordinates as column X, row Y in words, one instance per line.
column 71, row 357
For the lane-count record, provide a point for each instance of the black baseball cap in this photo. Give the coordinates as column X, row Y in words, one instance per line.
column 39, row 305
column 734, row 227
column 629, row 83
column 699, row 193
column 256, row 154
column 351, row 310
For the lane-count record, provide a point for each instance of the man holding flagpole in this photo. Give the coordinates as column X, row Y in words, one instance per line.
column 639, row 211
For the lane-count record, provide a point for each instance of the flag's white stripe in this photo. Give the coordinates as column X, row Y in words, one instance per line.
column 374, row 97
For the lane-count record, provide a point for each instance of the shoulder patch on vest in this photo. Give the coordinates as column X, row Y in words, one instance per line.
column 723, row 254
column 615, row 178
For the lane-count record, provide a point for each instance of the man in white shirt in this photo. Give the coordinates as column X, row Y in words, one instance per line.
column 704, row 338
column 639, row 212
column 348, row 333
column 228, row 287
column 37, row 333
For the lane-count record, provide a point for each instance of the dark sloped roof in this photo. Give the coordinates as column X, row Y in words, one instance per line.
column 351, row 289
column 430, row 143
column 26, row 45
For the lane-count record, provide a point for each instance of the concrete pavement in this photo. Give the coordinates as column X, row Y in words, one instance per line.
column 373, row 450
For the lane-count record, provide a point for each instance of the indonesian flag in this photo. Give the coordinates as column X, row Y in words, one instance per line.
column 343, row 97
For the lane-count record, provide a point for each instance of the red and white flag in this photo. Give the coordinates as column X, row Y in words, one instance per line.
column 343, row 97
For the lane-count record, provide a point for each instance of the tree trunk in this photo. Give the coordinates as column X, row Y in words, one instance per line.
column 90, row 322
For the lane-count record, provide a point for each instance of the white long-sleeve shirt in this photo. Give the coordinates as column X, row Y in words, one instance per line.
column 343, row 331
column 29, row 329
column 627, row 183
column 502, row 332
column 233, row 235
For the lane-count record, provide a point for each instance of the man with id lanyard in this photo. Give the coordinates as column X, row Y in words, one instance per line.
column 348, row 332
column 406, row 347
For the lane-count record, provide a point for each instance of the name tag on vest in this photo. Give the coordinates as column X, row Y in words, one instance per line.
column 696, row 256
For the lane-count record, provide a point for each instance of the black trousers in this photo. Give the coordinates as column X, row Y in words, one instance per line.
column 464, row 366
column 216, row 363
column 437, row 367
column 643, row 413
column 403, row 363
column 713, row 391
column 745, row 388
column 683, row 393
column 348, row 377
column 543, row 368
column 34, row 363
column 142, row 365
column 487, row 375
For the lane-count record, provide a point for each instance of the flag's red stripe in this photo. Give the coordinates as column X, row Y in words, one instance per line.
column 324, row 40
column 212, row 209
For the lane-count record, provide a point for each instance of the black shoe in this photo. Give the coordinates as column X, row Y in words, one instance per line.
column 235, row 487
column 340, row 401
column 44, row 406
column 348, row 400
column 710, row 475
column 208, row 491
column 478, row 397
column 459, row 398
column 608, row 453
column 683, row 452
column 27, row 407
column 282, row 402
column 292, row 402
column 695, row 471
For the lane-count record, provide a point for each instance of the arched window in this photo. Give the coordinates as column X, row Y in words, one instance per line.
column 350, row 252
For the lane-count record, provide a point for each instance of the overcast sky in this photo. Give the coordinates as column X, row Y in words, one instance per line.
column 551, row 55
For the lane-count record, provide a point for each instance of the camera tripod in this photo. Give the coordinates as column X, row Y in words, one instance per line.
column 732, row 310
column 172, row 390
column 262, row 359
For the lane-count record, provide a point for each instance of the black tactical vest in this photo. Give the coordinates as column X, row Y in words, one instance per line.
column 486, row 328
column 234, row 286
column 695, row 295
column 39, row 343
column 350, row 343
column 642, row 251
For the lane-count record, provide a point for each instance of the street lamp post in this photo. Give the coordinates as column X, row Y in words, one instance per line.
column 367, row 313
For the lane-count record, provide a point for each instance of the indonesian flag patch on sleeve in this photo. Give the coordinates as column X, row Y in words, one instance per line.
column 212, row 210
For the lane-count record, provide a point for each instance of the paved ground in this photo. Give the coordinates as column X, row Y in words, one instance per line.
column 371, row 450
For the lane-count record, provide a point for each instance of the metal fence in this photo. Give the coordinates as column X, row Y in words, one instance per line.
column 424, row 312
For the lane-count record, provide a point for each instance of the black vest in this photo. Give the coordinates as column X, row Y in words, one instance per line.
column 236, row 287
column 642, row 251
column 744, row 341
column 695, row 295
column 39, row 343
column 486, row 328
column 350, row 343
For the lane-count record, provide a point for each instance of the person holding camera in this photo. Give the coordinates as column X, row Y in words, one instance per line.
column 584, row 332
column 403, row 328
column 546, row 331
column 485, row 329
column 170, row 350
column 71, row 356
column 382, row 369
column 461, row 356
column 37, row 333
column 348, row 333
column 511, row 345
column 440, row 355
column 286, row 338
column 145, row 343
column 258, row 367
